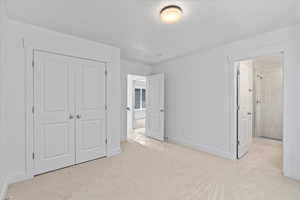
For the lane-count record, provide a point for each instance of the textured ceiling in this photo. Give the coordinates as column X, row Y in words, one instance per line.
column 134, row 26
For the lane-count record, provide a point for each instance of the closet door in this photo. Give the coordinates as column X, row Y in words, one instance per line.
column 54, row 123
column 90, row 110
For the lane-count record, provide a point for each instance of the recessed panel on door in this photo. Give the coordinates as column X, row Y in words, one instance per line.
column 54, row 103
column 90, row 109
column 155, row 107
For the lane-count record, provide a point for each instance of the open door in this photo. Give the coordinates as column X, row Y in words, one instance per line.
column 245, row 100
column 155, row 107
column 129, row 107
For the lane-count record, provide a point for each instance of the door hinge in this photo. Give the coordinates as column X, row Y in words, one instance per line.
column 33, row 156
column 238, row 108
column 238, row 142
column 32, row 109
column 32, row 63
column 238, row 72
column 106, row 141
column 105, row 107
column 23, row 42
column 105, row 72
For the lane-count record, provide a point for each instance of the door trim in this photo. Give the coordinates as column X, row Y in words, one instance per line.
column 233, row 100
column 29, row 50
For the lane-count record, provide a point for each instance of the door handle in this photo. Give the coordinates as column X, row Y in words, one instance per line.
column 249, row 113
column 71, row 117
column 128, row 108
column 162, row 110
column 78, row 116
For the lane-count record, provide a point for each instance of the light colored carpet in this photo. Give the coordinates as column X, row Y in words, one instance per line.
column 150, row 170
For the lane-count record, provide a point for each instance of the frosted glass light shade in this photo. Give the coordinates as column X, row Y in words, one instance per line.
column 170, row 14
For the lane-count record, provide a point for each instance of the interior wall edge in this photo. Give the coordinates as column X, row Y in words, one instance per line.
column 3, row 158
column 3, row 191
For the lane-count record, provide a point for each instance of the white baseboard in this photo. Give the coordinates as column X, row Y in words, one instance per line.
column 18, row 177
column 11, row 180
column 123, row 138
column 203, row 148
column 297, row 176
column 3, row 191
column 114, row 152
column 293, row 175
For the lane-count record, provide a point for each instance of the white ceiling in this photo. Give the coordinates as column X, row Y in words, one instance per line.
column 134, row 26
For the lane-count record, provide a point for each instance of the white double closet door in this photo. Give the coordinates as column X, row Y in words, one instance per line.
column 69, row 111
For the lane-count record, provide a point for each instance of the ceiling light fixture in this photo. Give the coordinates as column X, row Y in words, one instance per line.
column 170, row 14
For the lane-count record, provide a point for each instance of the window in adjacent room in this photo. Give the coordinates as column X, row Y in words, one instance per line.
column 140, row 98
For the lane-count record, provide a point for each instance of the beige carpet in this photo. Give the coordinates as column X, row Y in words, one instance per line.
column 150, row 170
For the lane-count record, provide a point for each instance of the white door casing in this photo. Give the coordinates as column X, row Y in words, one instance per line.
column 245, row 106
column 155, row 107
column 90, row 110
column 130, row 107
column 54, row 107
column 70, row 111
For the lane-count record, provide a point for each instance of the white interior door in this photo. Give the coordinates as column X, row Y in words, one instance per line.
column 155, row 107
column 54, row 109
column 90, row 110
column 245, row 104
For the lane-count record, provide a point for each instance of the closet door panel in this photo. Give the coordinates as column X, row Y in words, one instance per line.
column 90, row 109
column 54, row 103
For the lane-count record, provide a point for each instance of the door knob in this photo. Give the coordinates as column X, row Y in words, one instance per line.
column 128, row 108
column 71, row 117
column 78, row 116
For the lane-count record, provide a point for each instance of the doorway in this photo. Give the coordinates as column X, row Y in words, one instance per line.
column 145, row 107
column 136, row 106
column 259, row 116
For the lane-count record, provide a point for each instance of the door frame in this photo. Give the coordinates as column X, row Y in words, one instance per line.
column 29, row 48
column 233, row 97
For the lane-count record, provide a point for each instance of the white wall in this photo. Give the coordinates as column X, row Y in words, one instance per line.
column 2, row 63
column 199, row 95
column 130, row 67
column 268, row 91
column 14, row 90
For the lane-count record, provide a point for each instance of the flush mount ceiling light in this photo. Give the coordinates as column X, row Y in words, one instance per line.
column 170, row 14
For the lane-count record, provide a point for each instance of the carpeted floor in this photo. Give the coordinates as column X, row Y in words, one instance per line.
column 150, row 170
